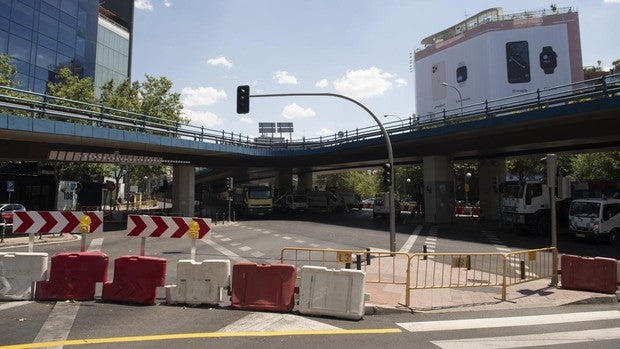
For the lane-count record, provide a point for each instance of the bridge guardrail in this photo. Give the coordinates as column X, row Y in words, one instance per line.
column 42, row 105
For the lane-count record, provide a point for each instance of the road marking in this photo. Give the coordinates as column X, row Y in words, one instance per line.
column 10, row 305
column 223, row 250
column 262, row 322
column 86, row 341
column 95, row 244
column 535, row 340
column 58, row 324
column 411, row 240
column 425, row 326
column 245, row 248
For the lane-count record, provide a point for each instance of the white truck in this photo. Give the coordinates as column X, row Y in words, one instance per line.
column 381, row 207
column 595, row 219
column 527, row 205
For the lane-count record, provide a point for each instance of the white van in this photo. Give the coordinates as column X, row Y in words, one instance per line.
column 595, row 219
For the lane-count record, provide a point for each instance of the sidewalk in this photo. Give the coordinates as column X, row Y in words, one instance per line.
column 11, row 240
column 384, row 298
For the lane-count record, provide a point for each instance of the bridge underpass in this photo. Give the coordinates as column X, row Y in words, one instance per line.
column 575, row 125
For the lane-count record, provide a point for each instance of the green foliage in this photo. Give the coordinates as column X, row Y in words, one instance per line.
column 595, row 166
column 69, row 86
column 158, row 100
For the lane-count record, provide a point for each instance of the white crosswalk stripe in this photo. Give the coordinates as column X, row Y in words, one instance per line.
column 520, row 341
column 537, row 340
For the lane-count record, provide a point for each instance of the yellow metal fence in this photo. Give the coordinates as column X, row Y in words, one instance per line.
column 433, row 270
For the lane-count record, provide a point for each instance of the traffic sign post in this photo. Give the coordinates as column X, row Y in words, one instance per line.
column 10, row 188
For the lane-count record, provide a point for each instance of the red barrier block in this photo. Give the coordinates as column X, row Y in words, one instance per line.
column 136, row 279
column 73, row 276
column 263, row 287
column 589, row 274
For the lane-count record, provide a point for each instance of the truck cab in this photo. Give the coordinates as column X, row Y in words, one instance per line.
column 595, row 219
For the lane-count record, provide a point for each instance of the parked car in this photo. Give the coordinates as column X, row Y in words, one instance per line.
column 368, row 203
column 7, row 211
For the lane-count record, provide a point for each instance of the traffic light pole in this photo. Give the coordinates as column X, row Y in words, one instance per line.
column 388, row 144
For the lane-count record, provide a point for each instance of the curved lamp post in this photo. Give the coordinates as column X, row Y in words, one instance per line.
column 457, row 91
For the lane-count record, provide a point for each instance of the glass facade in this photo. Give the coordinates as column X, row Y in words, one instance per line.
column 44, row 35
column 113, row 48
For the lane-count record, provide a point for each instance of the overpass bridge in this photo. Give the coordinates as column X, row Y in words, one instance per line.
column 579, row 117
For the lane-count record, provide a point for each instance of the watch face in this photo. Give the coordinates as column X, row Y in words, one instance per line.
column 461, row 74
column 548, row 60
column 518, row 62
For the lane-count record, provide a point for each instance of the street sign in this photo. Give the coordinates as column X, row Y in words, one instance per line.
column 10, row 186
column 165, row 227
column 45, row 222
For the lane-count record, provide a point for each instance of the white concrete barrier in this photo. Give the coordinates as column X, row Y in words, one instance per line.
column 329, row 292
column 18, row 272
column 199, row 282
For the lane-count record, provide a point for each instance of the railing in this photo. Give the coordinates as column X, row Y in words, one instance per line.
column 37, row 105
column 433, row 270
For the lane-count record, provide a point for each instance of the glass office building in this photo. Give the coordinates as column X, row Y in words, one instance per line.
column 92, row 38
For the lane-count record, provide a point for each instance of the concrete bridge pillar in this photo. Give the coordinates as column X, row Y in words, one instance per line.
column 284, row 180
column 438, row 189
column 304, row 179
column 183, row 190
column 492, row 174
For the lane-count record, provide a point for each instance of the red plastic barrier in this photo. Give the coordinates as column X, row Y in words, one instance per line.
column 263, row 287
column 475, row 211
column 136, row 279
column 589, row 274
column 459, row 209
column 73, row 276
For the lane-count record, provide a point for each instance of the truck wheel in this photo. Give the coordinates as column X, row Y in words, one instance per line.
column 543, row 225
column 614, row 237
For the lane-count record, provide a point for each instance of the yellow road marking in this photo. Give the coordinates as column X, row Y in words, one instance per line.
column 161, row 337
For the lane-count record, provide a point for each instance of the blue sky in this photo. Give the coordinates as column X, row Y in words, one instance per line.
column 359, row 48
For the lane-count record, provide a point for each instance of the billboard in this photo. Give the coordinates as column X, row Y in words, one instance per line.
column 496, row 60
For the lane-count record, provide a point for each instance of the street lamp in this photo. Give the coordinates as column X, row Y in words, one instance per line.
column 457, row 91
column 466, row 187
column 407, row 181
column 402, row 122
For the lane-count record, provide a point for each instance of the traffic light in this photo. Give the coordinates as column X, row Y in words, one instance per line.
column 243, row 99
column 387, row 173
column 229, row 183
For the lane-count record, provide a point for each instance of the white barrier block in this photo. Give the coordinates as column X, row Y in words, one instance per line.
column 199, row 282
column 338, row 293
column 18, row 271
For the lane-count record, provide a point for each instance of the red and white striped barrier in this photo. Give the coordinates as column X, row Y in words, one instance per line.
column 164, row 227
column 45, row 222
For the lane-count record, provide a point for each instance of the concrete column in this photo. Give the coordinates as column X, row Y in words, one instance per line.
column 438, row 189
column 284, row 180
column 304, row 180
column 492, row 173
column 183, row 190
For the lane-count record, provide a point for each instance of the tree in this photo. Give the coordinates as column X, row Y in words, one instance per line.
column 596, row 166
column 158, row 101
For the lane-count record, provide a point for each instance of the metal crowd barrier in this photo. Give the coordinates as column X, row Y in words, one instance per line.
column 433, row 270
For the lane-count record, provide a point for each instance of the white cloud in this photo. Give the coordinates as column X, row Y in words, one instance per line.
column 612, row 1
column 167, row 3
column 284, row 77
column 361, row 84
column 143, row 5
column 221, row 60
column 201, row 96
column 401, row 82
column 325, row 132
column 246, row 120
column 323, row 83
column 294, row 111
column 202, row 118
